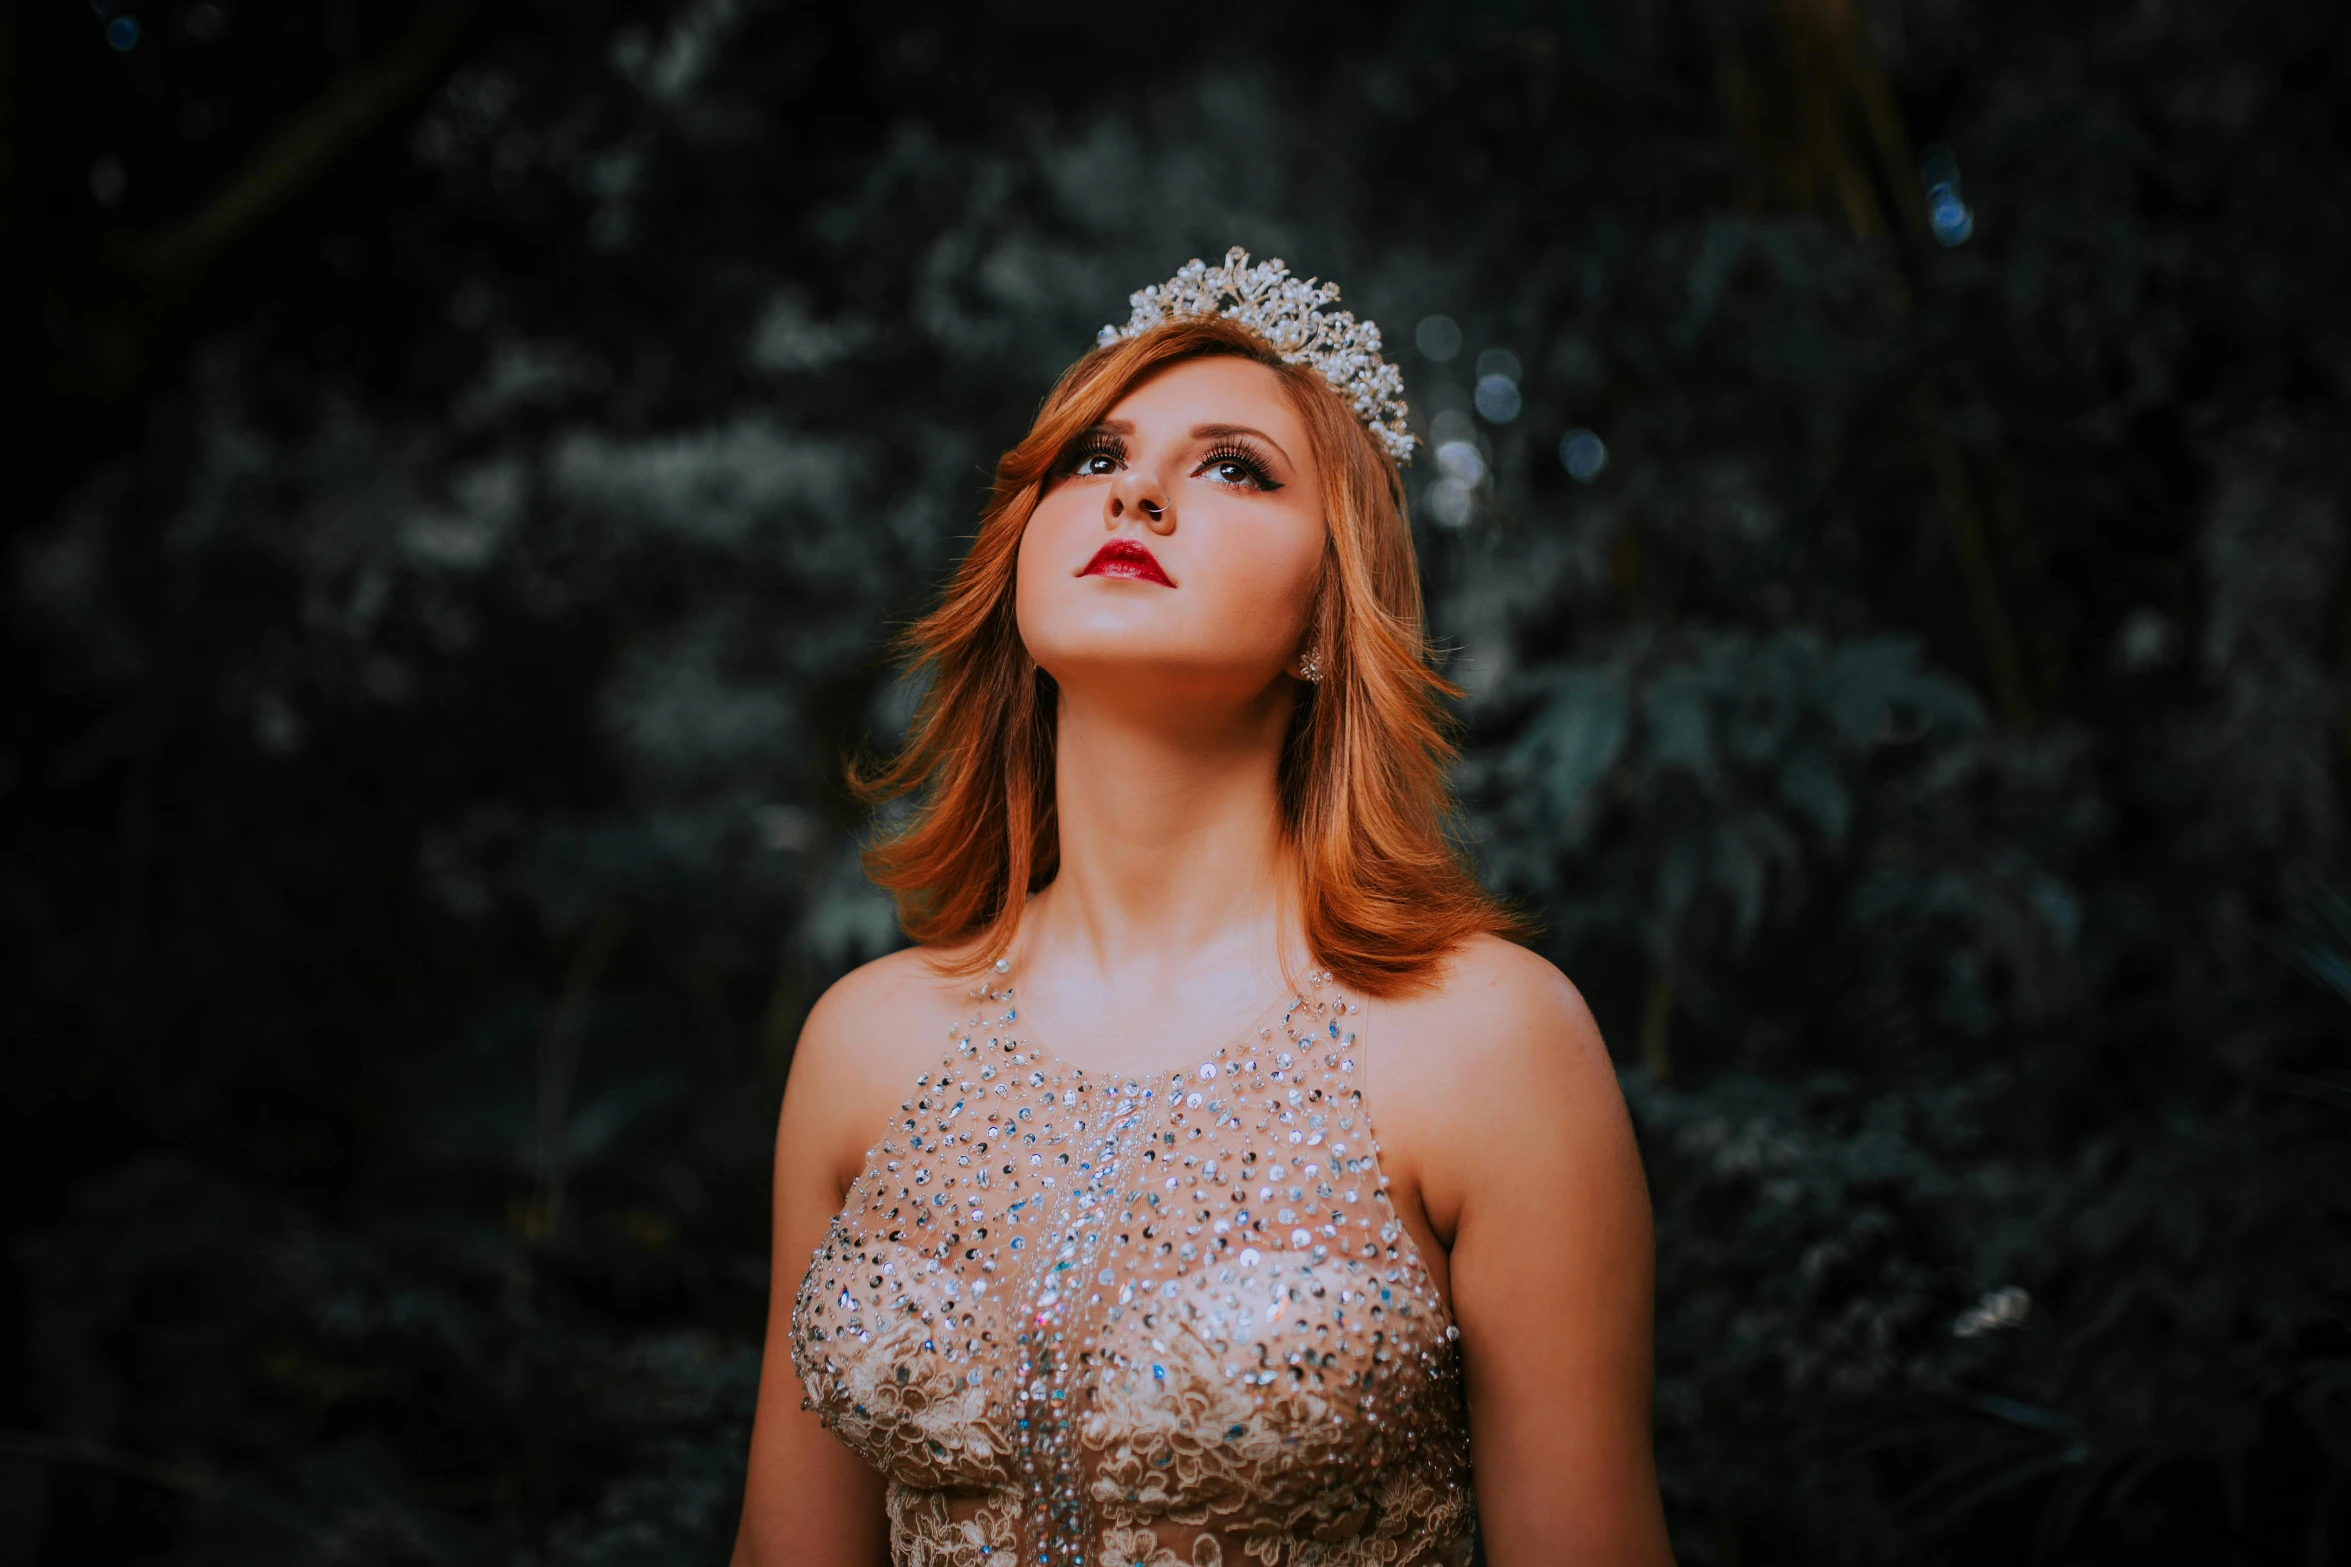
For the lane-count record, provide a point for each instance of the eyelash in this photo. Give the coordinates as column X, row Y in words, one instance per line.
column 1242, row 457
column 1095, row 446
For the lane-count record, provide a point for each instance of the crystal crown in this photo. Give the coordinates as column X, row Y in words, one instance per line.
column 1287, row 312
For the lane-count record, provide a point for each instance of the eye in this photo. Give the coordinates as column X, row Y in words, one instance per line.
column 1237, row 466
column 1093, row 456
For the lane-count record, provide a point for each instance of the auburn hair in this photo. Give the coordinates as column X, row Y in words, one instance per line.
column 1382, row 891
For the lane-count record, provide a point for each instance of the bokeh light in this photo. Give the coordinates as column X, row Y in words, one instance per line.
column 1583, row 454
column 1497, row 398
column 1948, row 217
column 1450, row 503
column 1461, row 462
column 122, row 34
column 1501, row 362
column 108, row 178
column 1438, row 338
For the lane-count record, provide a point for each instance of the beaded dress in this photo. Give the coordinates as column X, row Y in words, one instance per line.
column 1157, row 1320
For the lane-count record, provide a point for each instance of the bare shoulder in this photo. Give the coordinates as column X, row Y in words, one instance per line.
column 1496, row 1061
column 875, row 1001
column 1496, row 1019
column 872, row 1032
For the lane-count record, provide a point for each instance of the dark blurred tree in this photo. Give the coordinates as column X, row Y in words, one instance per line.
column 467, row 465
column 101, row 281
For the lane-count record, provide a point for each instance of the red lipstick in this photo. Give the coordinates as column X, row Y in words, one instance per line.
column 1126, row 558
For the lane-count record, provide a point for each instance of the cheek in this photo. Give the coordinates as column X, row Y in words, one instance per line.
column 1048, row 524
column 1260, row 585
column 1033, row 571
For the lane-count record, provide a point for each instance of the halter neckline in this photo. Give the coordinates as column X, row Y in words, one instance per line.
column 1002, row 985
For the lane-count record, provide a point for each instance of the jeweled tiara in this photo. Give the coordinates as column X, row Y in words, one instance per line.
column 1287, row 312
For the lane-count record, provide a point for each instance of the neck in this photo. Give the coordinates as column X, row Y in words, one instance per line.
column 1170, row 833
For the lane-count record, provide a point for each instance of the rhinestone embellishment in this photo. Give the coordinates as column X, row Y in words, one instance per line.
column 1083, row 1317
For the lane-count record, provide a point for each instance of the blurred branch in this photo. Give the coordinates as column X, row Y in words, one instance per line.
column 187, row 1479
column 1656, row 1030
column 1826, row 127
column 1815, row 111
column 1828, row 67
column 91, row 310
column 559, row 1066
column 1994, row 633
column 298, row 157
column 1833, row 31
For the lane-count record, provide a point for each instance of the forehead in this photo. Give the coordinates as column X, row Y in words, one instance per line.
column 1218, row 390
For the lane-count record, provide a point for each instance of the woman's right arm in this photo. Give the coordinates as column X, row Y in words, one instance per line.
column 808, row 1500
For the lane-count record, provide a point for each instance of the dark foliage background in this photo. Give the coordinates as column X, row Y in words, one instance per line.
column 463, row 465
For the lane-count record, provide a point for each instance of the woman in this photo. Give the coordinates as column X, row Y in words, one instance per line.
column 1128, row 1277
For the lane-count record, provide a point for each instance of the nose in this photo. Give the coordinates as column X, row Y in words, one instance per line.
column 1139, row 495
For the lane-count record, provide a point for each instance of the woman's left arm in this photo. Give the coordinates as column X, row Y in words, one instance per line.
column 1527, row 1163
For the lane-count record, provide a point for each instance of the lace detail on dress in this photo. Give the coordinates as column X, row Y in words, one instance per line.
column 1167, row 1319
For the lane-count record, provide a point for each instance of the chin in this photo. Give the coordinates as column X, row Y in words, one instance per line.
column 1191, row 676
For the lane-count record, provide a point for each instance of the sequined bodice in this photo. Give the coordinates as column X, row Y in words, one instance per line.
column 1167, row 1319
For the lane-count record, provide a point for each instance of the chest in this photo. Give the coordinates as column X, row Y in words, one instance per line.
column 1178, row 1293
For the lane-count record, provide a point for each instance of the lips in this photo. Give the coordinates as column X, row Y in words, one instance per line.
column 1126, row 558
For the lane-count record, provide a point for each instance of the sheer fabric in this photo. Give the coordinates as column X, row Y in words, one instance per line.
column 1161, row 1319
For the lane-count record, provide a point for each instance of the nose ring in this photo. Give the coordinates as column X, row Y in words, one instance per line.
column 1154, row 513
